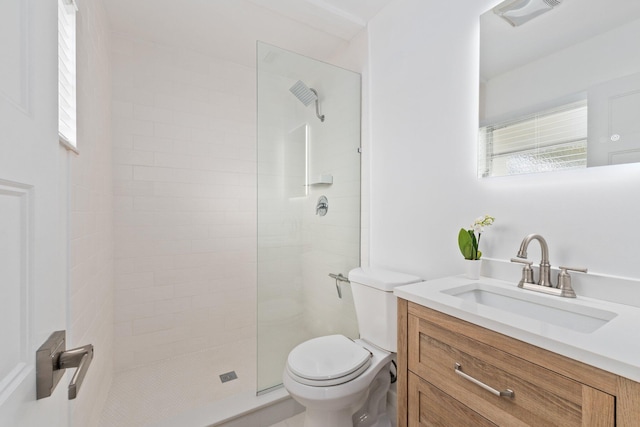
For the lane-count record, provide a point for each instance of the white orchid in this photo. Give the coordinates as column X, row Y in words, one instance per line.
column 481, row 222
column 467, row 239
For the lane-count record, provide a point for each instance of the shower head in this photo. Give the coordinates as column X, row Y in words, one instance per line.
column 306, row 95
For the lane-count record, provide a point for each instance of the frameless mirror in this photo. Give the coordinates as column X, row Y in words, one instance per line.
column 561, row 91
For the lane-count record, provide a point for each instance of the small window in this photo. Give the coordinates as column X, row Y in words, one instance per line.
column 550, row 140
column 67, row 73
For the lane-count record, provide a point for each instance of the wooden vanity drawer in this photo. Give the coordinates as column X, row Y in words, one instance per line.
column 541, row 397
column 430, row 406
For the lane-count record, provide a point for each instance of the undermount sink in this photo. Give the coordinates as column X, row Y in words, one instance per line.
column 553, row 310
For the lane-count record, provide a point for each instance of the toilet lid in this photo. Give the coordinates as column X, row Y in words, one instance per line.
column 327, row 358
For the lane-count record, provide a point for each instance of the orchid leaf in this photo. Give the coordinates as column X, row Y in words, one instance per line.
column 465, row 243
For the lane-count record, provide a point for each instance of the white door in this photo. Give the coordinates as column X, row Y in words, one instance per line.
column 614, row 128
column 33, row 203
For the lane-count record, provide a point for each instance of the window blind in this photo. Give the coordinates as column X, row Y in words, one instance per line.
column 553, row 139
column 67, row 72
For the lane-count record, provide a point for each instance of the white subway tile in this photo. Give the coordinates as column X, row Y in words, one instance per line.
column 155, row 114
column 185, row 224
column 196, row 148
column 172, row 247
column 123, row 156
column 166, row 130
column 153, row 143
column 160, row 352
column 172, row 160
column 133, row 95
column 134, row 280
column 193, row 120
column 208, row 136
column 168, row 101
column 122, row 172
column 126, row 297
column 133, row 126
column 122, row 203
column 144, row 173
column 174, row 305
column 123, row 329
column 215, row 299
column 128, row 312
column 143, row 264
column 133, row 188
column 121, row 109
column 155, row 323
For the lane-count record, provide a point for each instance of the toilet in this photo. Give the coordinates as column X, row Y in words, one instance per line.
column 343, row 382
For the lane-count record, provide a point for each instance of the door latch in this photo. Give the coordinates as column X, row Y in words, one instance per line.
column 52, row 359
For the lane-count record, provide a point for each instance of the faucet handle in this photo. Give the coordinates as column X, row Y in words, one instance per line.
column 578, row 269
column 564, row 281
column 527, row 271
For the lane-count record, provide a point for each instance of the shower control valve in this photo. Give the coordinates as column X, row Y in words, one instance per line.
column 322, row 206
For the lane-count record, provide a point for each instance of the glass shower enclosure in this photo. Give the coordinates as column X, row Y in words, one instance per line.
column 308, row 149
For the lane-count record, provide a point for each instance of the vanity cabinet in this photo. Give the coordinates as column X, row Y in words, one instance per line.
column 451, row 373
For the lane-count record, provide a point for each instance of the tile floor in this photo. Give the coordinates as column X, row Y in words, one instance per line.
column 156, row 391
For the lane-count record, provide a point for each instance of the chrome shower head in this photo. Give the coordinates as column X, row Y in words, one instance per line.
column 306, row 95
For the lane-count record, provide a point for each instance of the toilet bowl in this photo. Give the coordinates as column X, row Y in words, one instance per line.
column 343, row 382
column 339, row 384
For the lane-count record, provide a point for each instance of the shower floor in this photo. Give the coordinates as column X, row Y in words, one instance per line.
column 150, row 393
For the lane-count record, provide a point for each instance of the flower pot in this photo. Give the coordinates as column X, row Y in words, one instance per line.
column 472, row 268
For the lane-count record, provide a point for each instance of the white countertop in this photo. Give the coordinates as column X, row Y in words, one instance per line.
column 613, row 347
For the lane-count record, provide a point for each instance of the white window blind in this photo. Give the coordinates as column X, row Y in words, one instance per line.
column 67, row 72
column 554, row 139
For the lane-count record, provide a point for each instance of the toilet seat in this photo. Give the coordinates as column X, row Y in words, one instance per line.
column 327, row 361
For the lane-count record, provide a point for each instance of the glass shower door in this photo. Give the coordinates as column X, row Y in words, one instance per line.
column 308, row 203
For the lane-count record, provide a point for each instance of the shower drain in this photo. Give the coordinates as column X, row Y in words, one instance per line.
column 228, row 376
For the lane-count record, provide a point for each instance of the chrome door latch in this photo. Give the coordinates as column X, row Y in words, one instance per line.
column 52, row 359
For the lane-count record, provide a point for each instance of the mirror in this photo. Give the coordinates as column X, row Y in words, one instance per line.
column 562, row 90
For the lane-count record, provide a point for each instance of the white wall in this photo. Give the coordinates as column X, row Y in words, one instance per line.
column 424, row 115
column 185, row 203
column 91, row 214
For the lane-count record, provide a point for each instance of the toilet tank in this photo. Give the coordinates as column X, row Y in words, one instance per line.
column 376, row 306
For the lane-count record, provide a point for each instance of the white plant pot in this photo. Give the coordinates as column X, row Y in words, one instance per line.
column 472, row 268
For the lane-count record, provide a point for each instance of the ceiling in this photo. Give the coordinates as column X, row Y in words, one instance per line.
column 503, row 47
column 229, row 29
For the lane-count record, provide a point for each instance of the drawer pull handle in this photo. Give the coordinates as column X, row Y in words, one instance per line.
column 505, row 393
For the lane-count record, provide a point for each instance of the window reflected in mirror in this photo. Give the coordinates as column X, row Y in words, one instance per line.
column 550, row 140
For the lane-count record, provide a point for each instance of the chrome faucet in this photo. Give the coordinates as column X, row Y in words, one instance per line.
column 563, row 288
column 544, row 278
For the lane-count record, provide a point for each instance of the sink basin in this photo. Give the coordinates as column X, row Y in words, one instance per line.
column 547, row 309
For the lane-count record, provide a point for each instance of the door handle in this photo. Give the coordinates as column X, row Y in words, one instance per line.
column 52, row 359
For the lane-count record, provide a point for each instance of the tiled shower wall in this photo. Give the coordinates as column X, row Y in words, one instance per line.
column 331, row 243
column 91, row 214
column 185, row 201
